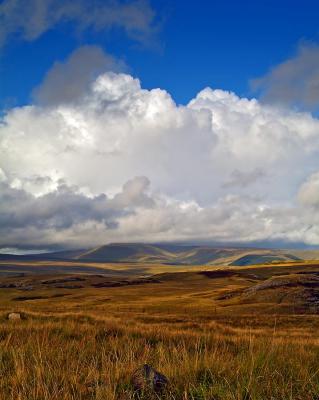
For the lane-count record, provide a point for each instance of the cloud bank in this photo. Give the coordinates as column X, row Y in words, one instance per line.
column 116, row 162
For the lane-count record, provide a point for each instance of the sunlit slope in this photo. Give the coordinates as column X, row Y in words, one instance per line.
column 189, row 255
column 127, row 253
column 170, row 254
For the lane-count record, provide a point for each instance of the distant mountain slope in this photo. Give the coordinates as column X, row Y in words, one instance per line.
column 131, row 252
column 159, row 253
column 252, row 259
column 60, row 255
column 173, row 254
column 183, row 254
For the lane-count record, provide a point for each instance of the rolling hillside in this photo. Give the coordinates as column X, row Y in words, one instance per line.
column 190, row 255
column 172, row 254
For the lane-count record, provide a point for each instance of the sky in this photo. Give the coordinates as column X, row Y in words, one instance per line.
column 141, row 120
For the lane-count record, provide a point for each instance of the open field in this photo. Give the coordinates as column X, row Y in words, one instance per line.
column 15, row 268
column 228, row 333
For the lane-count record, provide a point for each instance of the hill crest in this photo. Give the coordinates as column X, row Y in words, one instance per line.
column 173, row 254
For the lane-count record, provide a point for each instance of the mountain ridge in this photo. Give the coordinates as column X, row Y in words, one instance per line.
column 173, row 254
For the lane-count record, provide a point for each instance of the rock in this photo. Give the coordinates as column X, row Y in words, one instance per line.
column 147, row 379
column 14, row 316
column 124, row 396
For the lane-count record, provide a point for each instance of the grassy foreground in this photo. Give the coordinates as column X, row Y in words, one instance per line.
column 78, row 358
column 86, row 343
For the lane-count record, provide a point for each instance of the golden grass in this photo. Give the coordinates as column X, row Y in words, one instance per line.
column 87, row 344
column 136, row 269
column 81, row 358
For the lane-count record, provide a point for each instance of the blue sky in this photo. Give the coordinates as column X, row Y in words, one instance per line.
column 196, row 44
column 144, row 120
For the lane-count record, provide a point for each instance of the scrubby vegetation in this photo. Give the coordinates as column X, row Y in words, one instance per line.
column 87, row 342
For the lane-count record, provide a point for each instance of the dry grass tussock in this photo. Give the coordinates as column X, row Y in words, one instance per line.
column 85, row 343
column 88, row 359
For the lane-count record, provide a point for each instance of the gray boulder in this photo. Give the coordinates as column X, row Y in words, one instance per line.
column 147, row 380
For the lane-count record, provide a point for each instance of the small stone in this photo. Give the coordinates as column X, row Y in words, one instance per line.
column 14, row 316
column 147, row 379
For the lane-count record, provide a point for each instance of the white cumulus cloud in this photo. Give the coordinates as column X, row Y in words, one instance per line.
column 119, row 162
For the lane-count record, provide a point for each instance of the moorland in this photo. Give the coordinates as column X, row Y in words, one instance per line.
column 215, row 331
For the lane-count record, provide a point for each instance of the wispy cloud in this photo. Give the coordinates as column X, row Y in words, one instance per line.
column 244, row 178
column 28, row 20
column 70, row 80
column 294, row 82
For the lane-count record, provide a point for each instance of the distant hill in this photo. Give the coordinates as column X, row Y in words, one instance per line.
column 160, row 253
column 191, row 254
column 60, row 255
column 172, row 254
column 252, row 259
